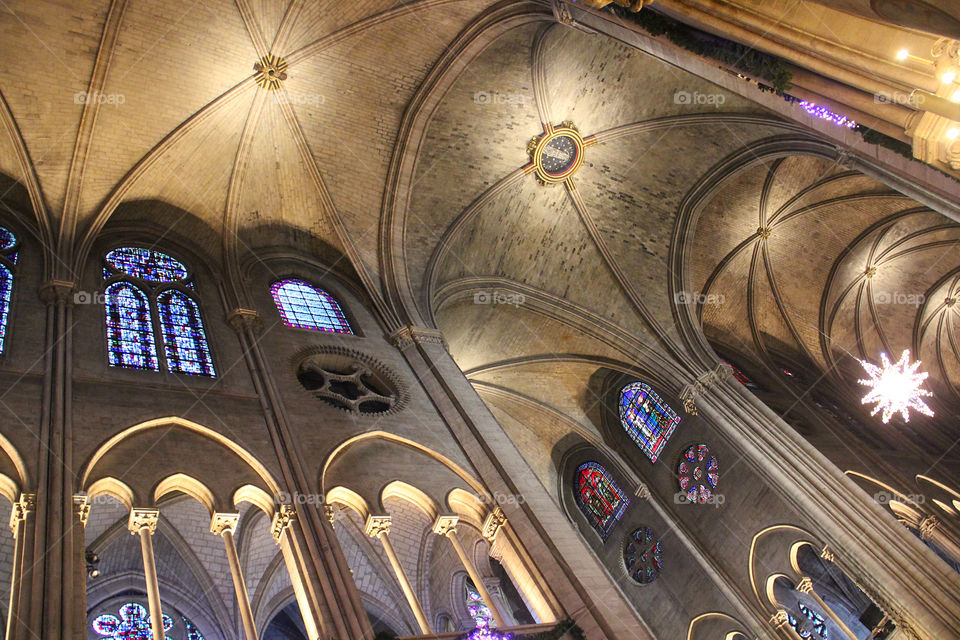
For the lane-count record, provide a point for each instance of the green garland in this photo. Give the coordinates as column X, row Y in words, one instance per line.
column 744, row 59
column 733, row 54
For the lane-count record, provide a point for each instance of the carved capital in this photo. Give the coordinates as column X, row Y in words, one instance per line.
column 492, row 524
column 928, row 526
column 329, row 513
column 143, row 519
column 26, row 504
column 643, row 491
column 377, row 526
column 805, row 585
column 779, row 619
column 240, row 319
column 81, row 507
column 54, row 291
column 827, row 554
column 690, row 392
column 281, row 520
column 222, row 522
column 405, row 337
column 445, row 525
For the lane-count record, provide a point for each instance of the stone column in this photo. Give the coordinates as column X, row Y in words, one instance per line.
column 447, row 526
column 81, row 512
column 379, row 527
column 143, row 522
column 22, row 523
column 307, row 596
column 224, row 525
column 931, row 529
column 496, row 531
column 806, row 586
column 781, row 626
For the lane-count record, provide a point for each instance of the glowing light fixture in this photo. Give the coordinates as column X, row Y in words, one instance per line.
column 953, row 133
column 956, row 96
column 896, row 387
column 903, row 54
column 948, row 77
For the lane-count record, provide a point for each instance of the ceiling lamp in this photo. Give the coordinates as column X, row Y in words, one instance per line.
column 896, row 387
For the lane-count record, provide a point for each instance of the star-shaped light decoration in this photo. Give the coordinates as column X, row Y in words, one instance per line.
column 896, row 387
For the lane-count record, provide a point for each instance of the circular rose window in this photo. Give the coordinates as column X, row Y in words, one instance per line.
column 643, row 555
column 699, row 473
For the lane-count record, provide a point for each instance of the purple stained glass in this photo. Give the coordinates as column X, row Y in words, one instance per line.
column 192, row 632
column 6, row 289
column 477, row 608
column 133, row 624
column 129, row 328
column 305, row 306
column 698, row 473
column 647, row 419
column 146, row 264
column 184, row 340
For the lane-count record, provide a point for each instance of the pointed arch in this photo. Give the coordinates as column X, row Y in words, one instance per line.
column 350, row 499
column 112, row 487
column 129, row 328
column 468, row 506
column 184, row 339
column 255, row 496
column 305, row 306
column 413, row 495
column 185, row 484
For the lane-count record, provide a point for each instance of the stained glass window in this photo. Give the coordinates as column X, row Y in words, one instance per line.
column 305, row 306
column 8, row 261
column 129, row 328
column 699, row 473
column 599, row 497
column 477, row 609
column 812, row 623
column 184, row 341
column 192, row 632
column 145, row 305
column 146, row 264
column 647, row 419
column 643, row 555
column 133, row 624
column 741, row 377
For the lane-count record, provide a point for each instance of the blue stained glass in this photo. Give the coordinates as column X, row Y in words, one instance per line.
column 6, row 288
column 643, row 555
column 147, row 264
column 814, row 623
column 600, row 498
column 699, row 473
column 307, row 307
column 192, row 632
column 184, row 340
column 7, row 239
column 129, row 328
column 647, row 419
column 133, row 624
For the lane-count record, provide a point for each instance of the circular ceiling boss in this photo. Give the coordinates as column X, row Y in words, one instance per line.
column 556, row 154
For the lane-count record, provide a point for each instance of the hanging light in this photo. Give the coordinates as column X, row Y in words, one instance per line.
column 896, row 387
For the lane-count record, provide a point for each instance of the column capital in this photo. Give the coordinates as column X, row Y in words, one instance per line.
column 143, row 519
column 643, row 491
column 81, row 507
column 240, row 319
column 281, row 520
column 329, row 513
column 805, row 585
column 445, row 525
column 220, row 523
column 690, row 392
column 53, row 291
column 26, row 504
column 927, row 526
column 779, row 619
column 405, row 337
column 492, row 524
column 827, row 554
column 377, row 526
